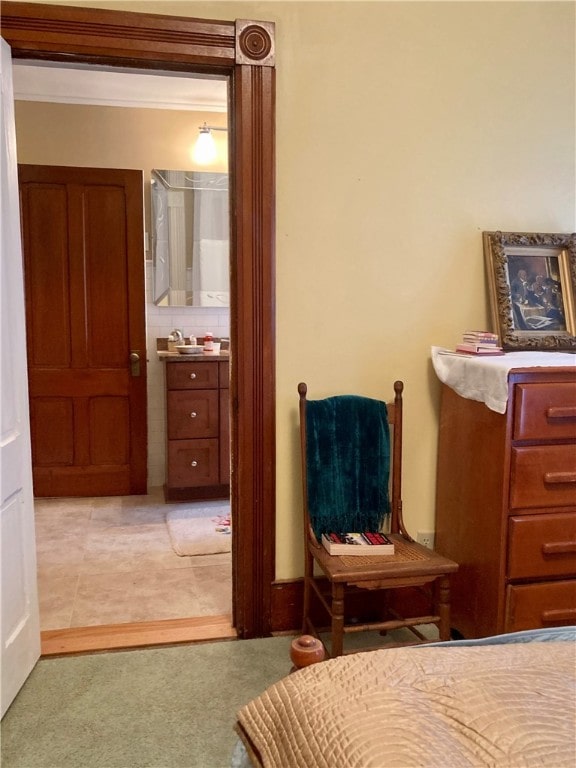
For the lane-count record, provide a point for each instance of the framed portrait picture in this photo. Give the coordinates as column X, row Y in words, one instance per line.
column 532, row 285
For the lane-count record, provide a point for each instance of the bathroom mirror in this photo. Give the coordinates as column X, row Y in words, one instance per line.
column 190, row 238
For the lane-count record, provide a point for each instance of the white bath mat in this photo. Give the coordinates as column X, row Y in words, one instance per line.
column 192, row 533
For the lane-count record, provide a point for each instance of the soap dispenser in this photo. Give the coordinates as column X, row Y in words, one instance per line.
column 174, row 339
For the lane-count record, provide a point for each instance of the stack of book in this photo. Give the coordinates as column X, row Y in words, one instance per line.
column 479, row 343
column 357, row 544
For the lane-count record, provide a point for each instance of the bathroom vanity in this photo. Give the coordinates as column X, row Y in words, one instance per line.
column 197, row 427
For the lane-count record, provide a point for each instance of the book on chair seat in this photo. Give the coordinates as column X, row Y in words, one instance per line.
column 357, row 544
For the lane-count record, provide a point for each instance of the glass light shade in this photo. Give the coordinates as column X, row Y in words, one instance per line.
column 204, row 151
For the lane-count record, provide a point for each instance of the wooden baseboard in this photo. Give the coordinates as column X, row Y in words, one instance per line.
column 286, row 611
column 109, row 637
column 202, row 492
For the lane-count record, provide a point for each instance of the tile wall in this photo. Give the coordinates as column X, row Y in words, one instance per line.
column 159, row 322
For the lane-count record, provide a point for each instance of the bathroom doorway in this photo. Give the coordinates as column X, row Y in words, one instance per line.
column 106, row 561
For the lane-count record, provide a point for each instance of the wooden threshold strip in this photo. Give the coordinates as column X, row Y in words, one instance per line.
column 108, row 637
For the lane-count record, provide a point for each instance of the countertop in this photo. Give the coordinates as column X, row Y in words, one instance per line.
column 176, row 357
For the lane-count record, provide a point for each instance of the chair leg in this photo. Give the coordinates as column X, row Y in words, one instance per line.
column 308, row 566
column 385, row 610
column 442, row 587
column 337, row 646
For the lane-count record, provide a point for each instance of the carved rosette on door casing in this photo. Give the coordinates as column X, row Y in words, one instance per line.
column 255, row 43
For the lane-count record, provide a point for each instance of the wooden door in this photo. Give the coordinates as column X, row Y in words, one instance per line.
column 84, row 280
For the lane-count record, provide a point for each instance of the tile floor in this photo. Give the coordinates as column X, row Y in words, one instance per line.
column 109, row 560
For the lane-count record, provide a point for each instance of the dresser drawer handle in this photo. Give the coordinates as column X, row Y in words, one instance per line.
column 194, row 463
column 193, row 415
column 561, row 412
column 559, row 547
column 559, row 614
column 560, row 477
column 192, row 375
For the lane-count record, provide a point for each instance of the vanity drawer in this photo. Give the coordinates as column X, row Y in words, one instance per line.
column 542, row 545
column 192, row 414
column 534, row 606
column 543, row 476
column 192, row 375
column 193, row 463
column 543, row 412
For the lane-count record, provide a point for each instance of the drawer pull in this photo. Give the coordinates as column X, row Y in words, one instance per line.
column 194, row 463
column 561, row 412
column 192, row 375
column 559, row 547
column 560, row 477
column 193, row 415
column 559, row 614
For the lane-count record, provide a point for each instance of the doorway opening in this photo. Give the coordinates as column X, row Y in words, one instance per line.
column 117, row 567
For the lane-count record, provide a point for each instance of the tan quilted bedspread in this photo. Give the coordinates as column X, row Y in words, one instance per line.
column 504, row 706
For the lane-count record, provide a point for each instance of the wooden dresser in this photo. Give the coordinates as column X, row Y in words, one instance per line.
column 506, row 504
column 197, row 429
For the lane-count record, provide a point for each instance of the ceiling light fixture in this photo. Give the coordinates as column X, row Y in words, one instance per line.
column 205, row 151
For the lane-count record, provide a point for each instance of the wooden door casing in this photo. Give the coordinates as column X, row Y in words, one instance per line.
column 84, row 279
column 244, row 50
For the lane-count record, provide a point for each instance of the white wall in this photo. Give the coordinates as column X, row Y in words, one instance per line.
column 159, row 322
column 404, row 129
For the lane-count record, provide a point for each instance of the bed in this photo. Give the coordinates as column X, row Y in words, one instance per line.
column 502, row 701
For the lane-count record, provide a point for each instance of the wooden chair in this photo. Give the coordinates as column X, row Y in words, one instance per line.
column 411, row 566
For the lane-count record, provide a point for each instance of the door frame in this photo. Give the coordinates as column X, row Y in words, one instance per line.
column 244, row 51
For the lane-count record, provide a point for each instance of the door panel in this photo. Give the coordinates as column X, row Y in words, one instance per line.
column 109, row 429
column 47, row 288
column 52, row 420
column 84, row 267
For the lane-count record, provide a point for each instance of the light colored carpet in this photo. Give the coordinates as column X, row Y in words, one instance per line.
column 153, row 708
column 200, row 531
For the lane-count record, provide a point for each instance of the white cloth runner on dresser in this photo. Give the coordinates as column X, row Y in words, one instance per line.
column 486, row 378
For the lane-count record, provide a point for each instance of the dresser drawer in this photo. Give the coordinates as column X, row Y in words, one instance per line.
column 193, row 463
column 544, row 412
column 192, row 375
column 192, row 414
column 542, row 545
column 543, row 476
column 533, row 606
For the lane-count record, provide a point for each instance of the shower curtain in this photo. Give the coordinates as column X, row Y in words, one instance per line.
column 211, row 248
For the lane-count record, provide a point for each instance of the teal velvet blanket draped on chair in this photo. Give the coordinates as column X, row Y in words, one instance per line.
column 347, row 464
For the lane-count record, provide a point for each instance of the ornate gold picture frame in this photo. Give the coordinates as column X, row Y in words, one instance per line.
column 532, row 285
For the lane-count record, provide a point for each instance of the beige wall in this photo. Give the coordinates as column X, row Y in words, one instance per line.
column 404, row 130
column 114, row 137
